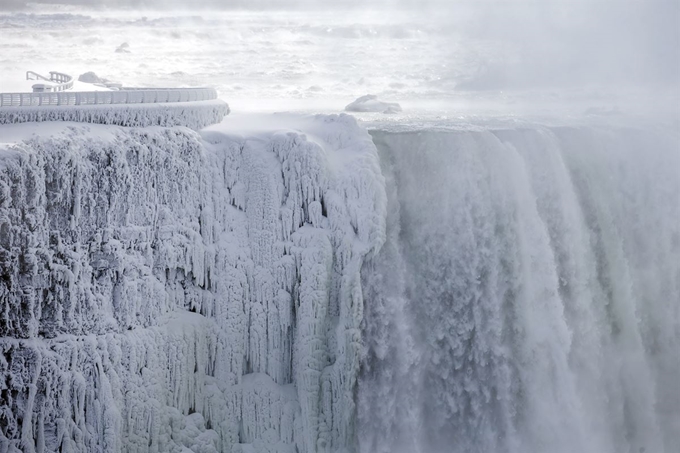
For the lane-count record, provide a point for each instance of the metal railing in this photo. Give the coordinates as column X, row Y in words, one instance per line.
column 63, row 81
column 123, row 96
column 32, row 75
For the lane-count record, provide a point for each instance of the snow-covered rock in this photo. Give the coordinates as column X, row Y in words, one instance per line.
column 164, row 292
column 123, row 48
column 370, row 103
column 90, row 77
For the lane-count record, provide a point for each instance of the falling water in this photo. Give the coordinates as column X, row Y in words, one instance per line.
column 528, row 296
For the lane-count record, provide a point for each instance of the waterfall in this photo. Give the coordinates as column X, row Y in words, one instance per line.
column 527, row 298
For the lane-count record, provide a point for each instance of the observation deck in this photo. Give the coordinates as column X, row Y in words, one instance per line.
column 55, row 100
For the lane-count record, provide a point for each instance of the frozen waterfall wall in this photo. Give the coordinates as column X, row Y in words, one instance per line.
column 527, row 298
column 167, row 291
column 164, row 292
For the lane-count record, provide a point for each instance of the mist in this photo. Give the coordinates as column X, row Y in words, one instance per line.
column 635, row 42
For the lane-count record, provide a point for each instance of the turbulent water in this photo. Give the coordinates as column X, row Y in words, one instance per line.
column 527, row 297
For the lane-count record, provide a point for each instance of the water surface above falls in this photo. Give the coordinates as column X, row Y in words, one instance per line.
column 527, row 298
column 322, row 59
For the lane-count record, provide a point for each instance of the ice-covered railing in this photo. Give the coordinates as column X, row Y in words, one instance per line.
column 123, row 96
column 125, row 106
column 63, row 81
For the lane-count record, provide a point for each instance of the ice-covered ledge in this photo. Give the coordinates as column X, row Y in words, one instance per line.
column 194, row 115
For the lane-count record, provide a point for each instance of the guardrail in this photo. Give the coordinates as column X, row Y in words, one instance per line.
column 63, row 81
column 123, row 96
column 32, row 75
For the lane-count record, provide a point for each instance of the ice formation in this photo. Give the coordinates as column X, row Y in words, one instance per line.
column 281, row 285
column 370, row 103
column 167, row 292
column 527, row 297
column 194, row 115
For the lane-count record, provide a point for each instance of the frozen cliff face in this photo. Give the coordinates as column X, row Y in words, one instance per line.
column 164, row 292
column 527, row 298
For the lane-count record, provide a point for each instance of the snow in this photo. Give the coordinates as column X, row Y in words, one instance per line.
column 170, row 291
column 370, row 103
column 21, row 86
column 86, row 86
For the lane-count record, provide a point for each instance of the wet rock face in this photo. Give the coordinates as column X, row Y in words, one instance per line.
column 160, row 292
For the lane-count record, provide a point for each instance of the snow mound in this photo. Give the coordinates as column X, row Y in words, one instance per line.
column 91, row 77
column 123, row 48
column 370, row 103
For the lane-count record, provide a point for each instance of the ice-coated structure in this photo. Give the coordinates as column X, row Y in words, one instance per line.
column 370, row 103
column 166, row 292
column 194, row 115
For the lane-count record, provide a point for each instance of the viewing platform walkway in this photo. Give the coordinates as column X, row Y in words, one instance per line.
column 55, row 100
column 58, row 82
